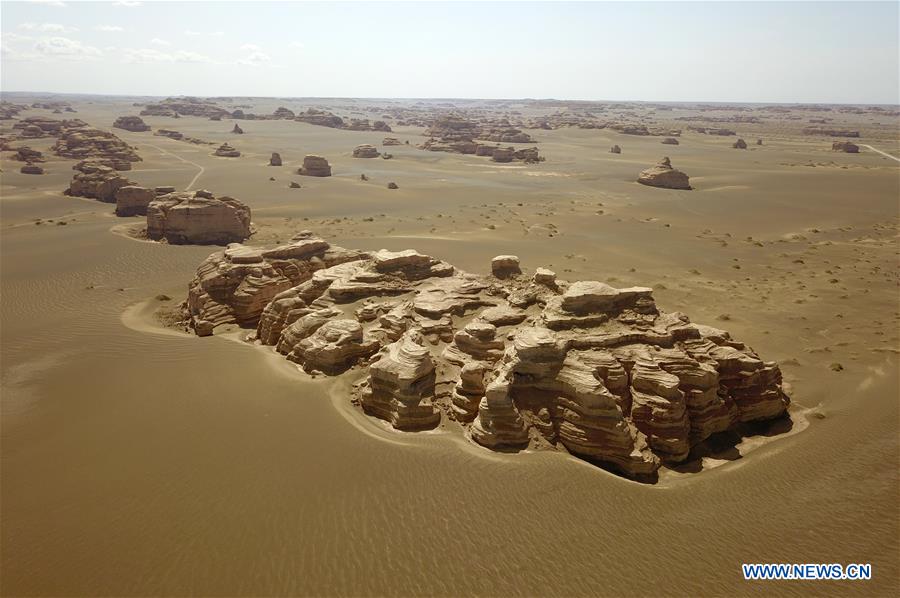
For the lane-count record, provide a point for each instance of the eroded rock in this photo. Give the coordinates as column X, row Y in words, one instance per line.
column 665, row 176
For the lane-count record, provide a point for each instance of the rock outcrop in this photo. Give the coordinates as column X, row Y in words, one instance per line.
column 517, row 361
column 391, row 141
column 84, row 142
column 615, row 149
column 365, row 151
column 275, row 160
column 237, row 130
column 665, row 176
column 845, row 146
column 315, row 166
column 97, row 182
column 32, row 169
column 669, row 141
column 26, row 154
column 226, row 151
column 198, row 218
column 132, row 200
column 135, row 124
column 739, row 144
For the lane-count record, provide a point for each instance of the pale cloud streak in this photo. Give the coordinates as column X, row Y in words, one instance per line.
column 47, row 27
column 65, row 48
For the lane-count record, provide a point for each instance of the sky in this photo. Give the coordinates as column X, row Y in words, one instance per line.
column 827, row 52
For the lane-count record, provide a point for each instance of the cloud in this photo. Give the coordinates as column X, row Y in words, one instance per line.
column 296, row 45
column 108, row 28
column 150, row 55
column 65, row 48
column 49, row 2
column 210, row 33
column 128, row 3
column 251, row 47
column 47, row 27
column 160, row 42
column 255, row 58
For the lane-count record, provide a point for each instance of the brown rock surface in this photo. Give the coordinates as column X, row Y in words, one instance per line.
column 665, row 176
column 595, row 369
column 185, row 218
column 135, row 124
column 315, row 166
column 365, row 151
column 132, row 200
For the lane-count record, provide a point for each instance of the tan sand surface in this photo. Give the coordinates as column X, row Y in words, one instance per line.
column 136, row 462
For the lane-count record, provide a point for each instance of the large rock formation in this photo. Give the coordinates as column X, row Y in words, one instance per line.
column 32, row 169
column 365, row 151
column 663, row 175
column 85, row 142
column 135, row 124
column 315, row 166
column 97, row 182
column 739, row 144
column 517, row 361
column 275, row 160
column 185, row 218
column 669, row 141
column 132, row 200
column 615, row 149
column 26, row 154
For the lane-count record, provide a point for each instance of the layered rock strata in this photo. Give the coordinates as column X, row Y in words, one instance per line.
column 197, row 218
column 518, row 360
column 665, row 176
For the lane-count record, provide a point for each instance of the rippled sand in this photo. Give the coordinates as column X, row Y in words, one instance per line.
column 140, row 462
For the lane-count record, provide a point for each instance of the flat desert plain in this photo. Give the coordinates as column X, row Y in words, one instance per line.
column 141, row 460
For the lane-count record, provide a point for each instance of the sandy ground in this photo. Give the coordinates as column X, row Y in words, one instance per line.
column 136, row 462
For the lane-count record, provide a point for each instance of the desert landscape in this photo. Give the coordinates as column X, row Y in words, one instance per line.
column 378, row 346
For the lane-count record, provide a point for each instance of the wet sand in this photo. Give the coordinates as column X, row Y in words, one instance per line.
column 136, row 462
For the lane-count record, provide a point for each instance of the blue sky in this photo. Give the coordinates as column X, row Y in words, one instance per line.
column 678, row 51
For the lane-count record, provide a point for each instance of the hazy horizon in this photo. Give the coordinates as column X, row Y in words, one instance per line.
column 680, row 52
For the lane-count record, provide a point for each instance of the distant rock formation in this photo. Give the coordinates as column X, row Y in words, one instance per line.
column 31, row 169
column 593, row 369
column 669, row 141
column 185, row 106
column 85, row 142
column 275, row 160
column 226, row 151
column 170, row 134
column 135, row 124
column 845, row 146
column 365, row 151
column 26, row 154
column 615, row 149
column 97, row 182
column 739, row 144
column 392, row 185
column 237, row 130
column 315, row 166
column 283, row 112
column 663, row 175
column 830, row 132
column 198, row 218
column 759, row 142
column 391, row 141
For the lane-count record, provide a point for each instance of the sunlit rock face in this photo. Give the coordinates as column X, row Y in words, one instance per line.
column 517, row 359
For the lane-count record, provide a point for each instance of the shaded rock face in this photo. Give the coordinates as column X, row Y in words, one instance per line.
column 132, row 200
column 283, row 112
column 185, row 218
column 275, row 160
column 739, row 144
column 237, row 130
column 365, row 151
column 92, row 164
column 391, row 141
column 615, row 149
column 97, row 182
column 584, row 366
column 26, row 154
column 669, row 141
column 845, row 146
column 31, row 169
column 392, row 185
column 665, row 176
column 315, row 166
column 135, row 124
column 226, row 151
